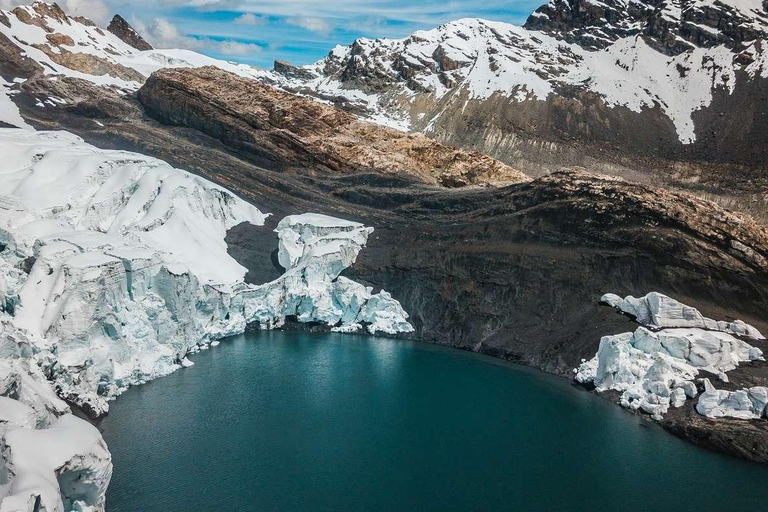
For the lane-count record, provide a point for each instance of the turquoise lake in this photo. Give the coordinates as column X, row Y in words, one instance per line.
column 282, row 421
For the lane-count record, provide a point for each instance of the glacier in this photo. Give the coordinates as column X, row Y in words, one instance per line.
column 658, row 310
column 655, row 366
column 114, row 270
column 745, row 404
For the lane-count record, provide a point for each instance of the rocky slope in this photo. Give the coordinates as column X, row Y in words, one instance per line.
column 42, row 40
column 665, row 92
column 672, row 27
column 123, row 30
column 280, row 130
column 448, row 252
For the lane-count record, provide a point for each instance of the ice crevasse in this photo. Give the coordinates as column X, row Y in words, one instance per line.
column 113, row 269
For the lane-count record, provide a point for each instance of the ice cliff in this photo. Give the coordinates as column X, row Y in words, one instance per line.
column 51, row 460
column 655, row 367
column 743, row 404
column 659, row 311
column 113, row 270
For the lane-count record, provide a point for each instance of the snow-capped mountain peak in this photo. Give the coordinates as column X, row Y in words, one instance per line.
column 670, row 26
column 607, row 49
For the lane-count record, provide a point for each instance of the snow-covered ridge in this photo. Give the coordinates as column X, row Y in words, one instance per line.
column 74, row 47
column 113, row 270
column 656, row 369
column 474, row 59
column 44, row 34
column 464, row 60
column 673, row 26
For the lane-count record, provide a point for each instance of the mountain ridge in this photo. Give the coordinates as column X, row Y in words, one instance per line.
column 692, row 117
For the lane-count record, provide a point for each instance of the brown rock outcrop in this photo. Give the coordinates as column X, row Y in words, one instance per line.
column 284, row 131
column 90, row 64
column 57, row 39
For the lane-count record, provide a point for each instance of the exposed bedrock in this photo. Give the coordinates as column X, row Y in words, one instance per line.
column 516, row 271
column 127, row 34
column 284, row 131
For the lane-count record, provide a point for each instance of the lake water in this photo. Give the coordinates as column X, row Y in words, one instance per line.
column 279, row 421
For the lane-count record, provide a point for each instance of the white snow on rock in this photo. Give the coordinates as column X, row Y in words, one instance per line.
column 657, row 310
column 9, row 112
column 656, row 369
column 743, row 404
column 33, row 35
column 114, row 63
column 466, row 59
column 475, row 59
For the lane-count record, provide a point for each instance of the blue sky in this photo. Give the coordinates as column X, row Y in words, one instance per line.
column 299, row 31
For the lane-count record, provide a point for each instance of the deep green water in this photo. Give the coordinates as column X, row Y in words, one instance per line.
column 302, row 422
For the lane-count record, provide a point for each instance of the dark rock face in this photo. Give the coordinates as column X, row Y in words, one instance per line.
column 126, row 32
column 577, row 124
column 593, row 25
column 13, row 64
column 671, row 26
column 288, row 69
column 574, row 128
column 747, row 439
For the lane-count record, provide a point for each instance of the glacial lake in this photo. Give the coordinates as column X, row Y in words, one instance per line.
column 279, row 421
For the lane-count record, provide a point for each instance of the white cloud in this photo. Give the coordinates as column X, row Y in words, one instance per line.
column 161, row 33
column 234, row 47
column 205, row 5
column 312, row 23
column 95, row 10
column 249, row 18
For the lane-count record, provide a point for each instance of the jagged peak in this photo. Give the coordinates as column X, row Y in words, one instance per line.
column 122, row 29
column 670, row 26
